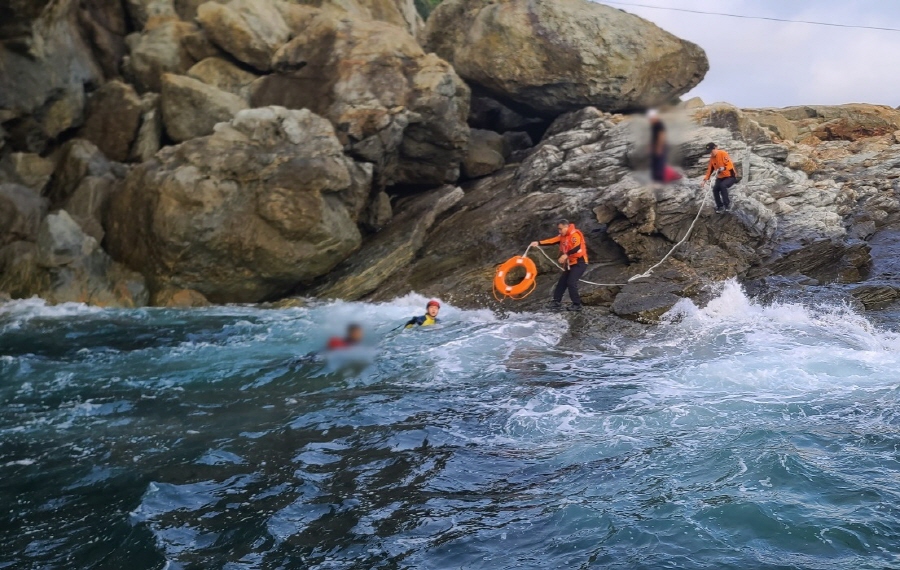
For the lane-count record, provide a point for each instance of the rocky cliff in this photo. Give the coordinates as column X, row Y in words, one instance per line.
column 180, row 152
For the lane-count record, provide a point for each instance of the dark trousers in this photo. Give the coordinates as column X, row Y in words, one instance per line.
column 720, row 191
column 569, row 280
column 658, row 167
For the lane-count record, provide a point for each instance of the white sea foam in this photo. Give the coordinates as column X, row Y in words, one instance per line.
column 13, row 314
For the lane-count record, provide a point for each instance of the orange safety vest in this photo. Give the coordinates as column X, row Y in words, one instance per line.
column 720, row 159
column 574, row 238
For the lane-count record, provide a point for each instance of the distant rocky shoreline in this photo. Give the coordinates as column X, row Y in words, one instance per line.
column 180, row 153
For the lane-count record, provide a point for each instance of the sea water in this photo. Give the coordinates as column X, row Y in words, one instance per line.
column 738, row 435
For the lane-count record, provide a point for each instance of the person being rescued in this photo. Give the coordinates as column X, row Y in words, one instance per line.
column 574, row 259
column 720, row 162
column 353, row 338
column 429, row 318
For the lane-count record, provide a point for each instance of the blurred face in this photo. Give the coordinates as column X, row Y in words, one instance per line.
column 433, row 310
column 563, row 229
column 355, row 334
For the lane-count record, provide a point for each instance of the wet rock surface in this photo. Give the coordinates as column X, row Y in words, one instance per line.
column 266, row 202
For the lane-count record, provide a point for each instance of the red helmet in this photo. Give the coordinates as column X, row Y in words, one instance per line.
column 433, row 303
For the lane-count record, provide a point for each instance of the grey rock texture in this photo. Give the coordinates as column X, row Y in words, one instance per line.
column 559, row 56
column 266, row 202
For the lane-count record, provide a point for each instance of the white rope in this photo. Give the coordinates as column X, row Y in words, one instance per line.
column 706, row 185
column 684, row 239
column 553, row 261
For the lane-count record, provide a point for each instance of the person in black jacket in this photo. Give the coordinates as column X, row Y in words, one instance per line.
column 429, row 318
column 658, row 147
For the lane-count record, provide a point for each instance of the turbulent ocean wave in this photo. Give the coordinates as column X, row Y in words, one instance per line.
column 736, row 435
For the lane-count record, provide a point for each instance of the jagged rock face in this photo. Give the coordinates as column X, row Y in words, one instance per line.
column 816, row 123
column 149, row 136
column 88, row 204
column 249, row 30
column 562, row 55
column 401, row 13
column 28, row 169
column 223, row 74
column 390, row 250
column 142, row 12
column 64, row 265
column 167, row 47
column 392, row 105
column 78, row 158
column 191, row 108
column 266, row 202
column 113, row 118
column 47, row 57
column 784, row 221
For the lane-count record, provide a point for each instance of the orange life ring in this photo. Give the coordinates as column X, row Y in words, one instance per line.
column 521, row 289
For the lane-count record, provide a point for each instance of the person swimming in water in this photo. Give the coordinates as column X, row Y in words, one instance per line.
column 353, row 338
column 429, row 318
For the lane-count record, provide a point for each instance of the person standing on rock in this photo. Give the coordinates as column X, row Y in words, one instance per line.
column 574, row 260
column 726, row 177
column 657, row 147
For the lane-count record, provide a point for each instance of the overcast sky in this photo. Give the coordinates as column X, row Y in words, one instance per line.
column 755, row 63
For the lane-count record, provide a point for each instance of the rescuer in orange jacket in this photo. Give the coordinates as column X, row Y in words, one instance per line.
column 574, row 260
column 720, row 162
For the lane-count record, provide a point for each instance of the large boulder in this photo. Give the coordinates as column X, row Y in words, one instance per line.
column 191, row 108
column 66, row 265
column 783, row 222
column 249, row 30
column 266, row 202
column 563, row 55
column 391, row 103
column 113, row 118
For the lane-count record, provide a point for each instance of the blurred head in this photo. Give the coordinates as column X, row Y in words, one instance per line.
column 652, row 115
column 711, row 147
column 433, row 308
column 354, row 333
column 563, row 227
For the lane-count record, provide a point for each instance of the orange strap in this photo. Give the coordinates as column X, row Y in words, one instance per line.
column 521, row 289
